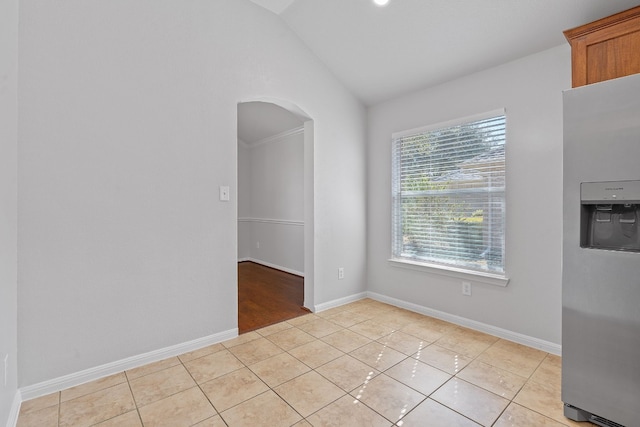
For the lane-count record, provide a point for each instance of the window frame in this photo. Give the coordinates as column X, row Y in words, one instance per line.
column 498, row 278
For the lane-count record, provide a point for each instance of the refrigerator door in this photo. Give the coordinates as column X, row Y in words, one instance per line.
column 601, row 288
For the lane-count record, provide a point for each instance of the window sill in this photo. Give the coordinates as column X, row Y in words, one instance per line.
column 458, row 273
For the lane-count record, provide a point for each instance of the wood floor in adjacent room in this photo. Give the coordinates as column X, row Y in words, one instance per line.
column 267, row 296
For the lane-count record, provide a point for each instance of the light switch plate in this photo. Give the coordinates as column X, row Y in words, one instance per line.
column 224, row 193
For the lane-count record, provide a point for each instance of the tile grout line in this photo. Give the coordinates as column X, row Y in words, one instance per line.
column 427, row 397
column 510, row 401
column 311, row 370
column 346, row 393
column 403, row 322
column 134, row 398
column 473, row 359
column 200, row 387
column 476, row 359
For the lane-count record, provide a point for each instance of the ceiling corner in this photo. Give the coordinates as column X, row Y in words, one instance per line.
column 275, row 6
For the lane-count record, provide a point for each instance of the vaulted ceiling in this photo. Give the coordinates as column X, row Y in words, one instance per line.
column 382, row 52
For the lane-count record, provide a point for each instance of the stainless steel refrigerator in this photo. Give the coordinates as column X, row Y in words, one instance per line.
column 601, row 253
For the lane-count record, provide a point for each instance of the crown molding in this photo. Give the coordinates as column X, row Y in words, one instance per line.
column 277, row 137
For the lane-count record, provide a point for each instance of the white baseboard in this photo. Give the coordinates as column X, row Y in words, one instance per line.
column 72, row 380
column 338, row 302
column 270, row 265
column 12, row 421
column 543, row 345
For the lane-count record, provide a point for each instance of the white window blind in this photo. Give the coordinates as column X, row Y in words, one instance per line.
column 449, row 194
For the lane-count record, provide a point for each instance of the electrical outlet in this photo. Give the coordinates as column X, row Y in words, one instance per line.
column 341, row 273
column 466, row 288
column 257, row 245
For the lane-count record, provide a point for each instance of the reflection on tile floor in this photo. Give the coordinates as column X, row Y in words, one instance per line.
column 361, row 364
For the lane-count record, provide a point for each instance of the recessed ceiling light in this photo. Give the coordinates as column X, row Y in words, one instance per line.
column 381, row 2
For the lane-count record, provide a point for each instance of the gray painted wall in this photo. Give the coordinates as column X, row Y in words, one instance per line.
column 128, row 127
column 531, row 91
column 8, row 203
column 271, row 202
column 245, row 240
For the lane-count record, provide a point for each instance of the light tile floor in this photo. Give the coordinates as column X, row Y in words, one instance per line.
column 362, row 364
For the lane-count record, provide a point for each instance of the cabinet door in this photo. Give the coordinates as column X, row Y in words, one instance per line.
column 606, row 49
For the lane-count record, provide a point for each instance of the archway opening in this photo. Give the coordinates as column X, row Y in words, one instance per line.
column 275, row 213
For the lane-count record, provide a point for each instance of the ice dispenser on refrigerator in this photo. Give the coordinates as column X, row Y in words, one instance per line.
column 610, row 215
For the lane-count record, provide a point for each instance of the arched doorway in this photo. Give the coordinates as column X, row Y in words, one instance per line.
column 275, row 213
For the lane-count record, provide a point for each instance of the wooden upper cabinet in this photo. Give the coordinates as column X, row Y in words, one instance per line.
column 605, row 49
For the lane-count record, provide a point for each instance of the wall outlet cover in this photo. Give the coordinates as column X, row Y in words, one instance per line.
column 466, row 288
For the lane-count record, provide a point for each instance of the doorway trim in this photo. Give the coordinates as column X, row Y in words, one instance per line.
column 309, row 184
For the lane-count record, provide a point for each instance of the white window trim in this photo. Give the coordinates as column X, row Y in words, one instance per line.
column 451, row 272
column 499, row 279
column 450, row 123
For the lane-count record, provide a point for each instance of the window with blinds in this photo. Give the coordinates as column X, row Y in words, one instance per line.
column 449, row 194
